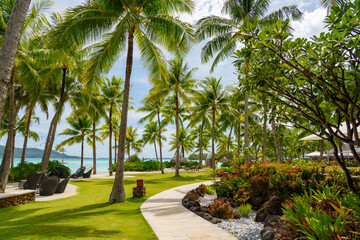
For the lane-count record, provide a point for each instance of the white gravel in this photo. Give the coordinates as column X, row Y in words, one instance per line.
column 244, row 228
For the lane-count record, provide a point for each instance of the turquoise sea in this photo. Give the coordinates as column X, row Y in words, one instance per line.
column 102, row 164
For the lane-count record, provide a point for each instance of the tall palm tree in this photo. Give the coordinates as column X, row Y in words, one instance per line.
column 155, row 108
column 151, row 135
column 80, row 132
column 112, row 95
column 180, row 83
column 186, row 141
column 121, row 23
column 10, row 41
column 89, row 102
column 228, row 33
column 212, row 99
column 131, row 142
column 203, row 140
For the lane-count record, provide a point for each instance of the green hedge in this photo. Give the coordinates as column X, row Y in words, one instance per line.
column 141, row 166
column 183, row 164
column 26, row 169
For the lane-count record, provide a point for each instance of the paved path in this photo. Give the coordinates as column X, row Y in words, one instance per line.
column 170, row 220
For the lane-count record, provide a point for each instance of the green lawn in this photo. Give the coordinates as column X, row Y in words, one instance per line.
column 88, row 215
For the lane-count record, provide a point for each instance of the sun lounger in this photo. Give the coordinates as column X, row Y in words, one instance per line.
column 60, row 172
column 88, row 174
column 33, row 181
column 62, row 185
column 48, row 185
column 79, row 172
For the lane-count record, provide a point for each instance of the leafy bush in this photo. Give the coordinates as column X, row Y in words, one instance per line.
column 142, row 166
column 221, row 209
column 210, row 190
column 324, row 214
column 23, row 171
column 224, row 164
column 133, row 158
column 26, row 169
column 244, row 210
column 202, row 188
column 259, row 186
column 229, row 187
column 53, row 164
column 169, row 164
column 193, row 196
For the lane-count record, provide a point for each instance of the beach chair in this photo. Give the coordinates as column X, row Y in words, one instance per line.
column 79, row 172
column 48, row 185
column 60, row 172
column 88, row 174
column 62, row 185
column 33, row 181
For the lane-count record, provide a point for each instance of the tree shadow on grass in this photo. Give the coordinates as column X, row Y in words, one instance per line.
column 56, row 223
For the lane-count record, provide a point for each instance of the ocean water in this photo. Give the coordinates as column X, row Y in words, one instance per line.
column 102, row 164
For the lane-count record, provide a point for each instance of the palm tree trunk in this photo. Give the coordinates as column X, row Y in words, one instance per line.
column 229, row 141
column 157, row 159
column 26, row 137
column 110, row 142
column 200, row 144
column 213, row 139
column 94, row 148
column 115, row 157
column 238, row 139
column 273, row 130
column 82, row 153
column 13, row 149
column 161, row 161
column 246, row 128
column 264, row 138
column 5, row 163
column 118, row 191
column 177, row 135
column 9, row 47
column 53, row 125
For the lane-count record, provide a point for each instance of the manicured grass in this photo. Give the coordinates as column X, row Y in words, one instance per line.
column 88, row 215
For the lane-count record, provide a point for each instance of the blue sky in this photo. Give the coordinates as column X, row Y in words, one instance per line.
column 312, row 24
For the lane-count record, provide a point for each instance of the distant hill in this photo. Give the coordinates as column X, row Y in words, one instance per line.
column 35, row 153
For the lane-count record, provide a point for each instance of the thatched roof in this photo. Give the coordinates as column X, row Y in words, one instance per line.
column 182, row 159
column 224, row 159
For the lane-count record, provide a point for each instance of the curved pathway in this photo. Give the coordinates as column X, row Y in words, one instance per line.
column 170, row 220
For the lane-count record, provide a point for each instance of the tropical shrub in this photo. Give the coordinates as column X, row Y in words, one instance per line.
column 230, row 187
column 193, row 196
column 244, row 210
column 324, row 214
column 23, row 171
column 221, row 209
column 210, row 190
column 259, row 186
column 142, row 166
column 169, row 164
column 202, row 188
column 133, row 158
column 51, row 167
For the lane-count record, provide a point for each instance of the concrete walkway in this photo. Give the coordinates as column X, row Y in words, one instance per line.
column 170, row 220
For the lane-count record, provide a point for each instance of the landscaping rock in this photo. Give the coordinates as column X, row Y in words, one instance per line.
column 237, row 215
column 194, row 209
column 268, row 235
column 207, row 216
column 272, row 218
column 216, row 220
column 256, row 202
column 271, row 207
column 204, row 209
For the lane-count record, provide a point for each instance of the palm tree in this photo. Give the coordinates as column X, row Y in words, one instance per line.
column 155, row 107
column 131, row 142
column 186, row 141
column 61, row 150
column 80, row 131
column 89, row 102
column 203, row 140
column 122, row 23
column 180, row 83
column 212, row 99
column 112, row 95
column 8, row 52
column 228, row 33
column 329, row 3
column 151, row 135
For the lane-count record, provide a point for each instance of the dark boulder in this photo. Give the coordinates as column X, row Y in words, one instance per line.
column 271, row 207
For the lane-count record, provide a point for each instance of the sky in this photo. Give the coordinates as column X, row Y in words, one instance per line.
column 312, row 24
